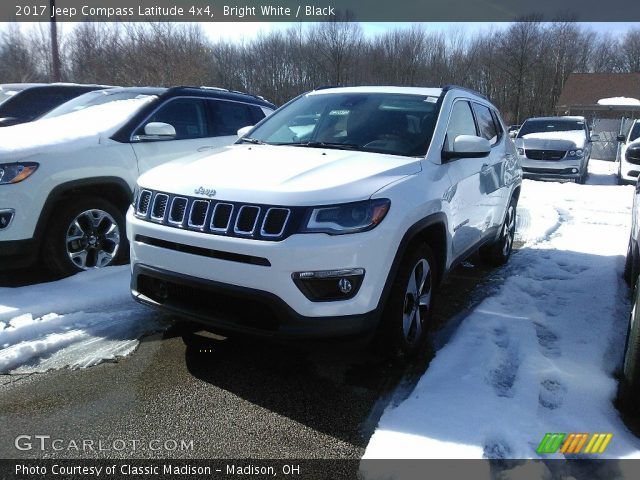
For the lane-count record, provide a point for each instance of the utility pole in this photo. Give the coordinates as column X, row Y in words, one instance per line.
column 55, row 53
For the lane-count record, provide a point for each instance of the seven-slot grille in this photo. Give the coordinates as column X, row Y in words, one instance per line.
column 545, row 154
column 216, row 217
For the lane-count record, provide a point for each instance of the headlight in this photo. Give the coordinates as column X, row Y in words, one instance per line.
column 16, row 172
column 346, row 218
column 575, row 153
column 520, row 151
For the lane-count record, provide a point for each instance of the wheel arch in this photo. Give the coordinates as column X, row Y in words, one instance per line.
column 114, row 189
column 431, row 230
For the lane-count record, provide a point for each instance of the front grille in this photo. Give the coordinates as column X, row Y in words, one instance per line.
column 198, row 213
column 247, row 219
column 178, row 209
column 159, row 208
column 143, row 202
column 262, row 222
column 545, row 154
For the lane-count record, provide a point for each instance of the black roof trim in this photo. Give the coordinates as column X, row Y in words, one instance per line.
column 218, row 92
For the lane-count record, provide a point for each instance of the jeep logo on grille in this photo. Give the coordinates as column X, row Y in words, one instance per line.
column 209, row 192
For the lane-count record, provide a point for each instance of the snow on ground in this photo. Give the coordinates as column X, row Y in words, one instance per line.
column 76, row 322
column 538, row 354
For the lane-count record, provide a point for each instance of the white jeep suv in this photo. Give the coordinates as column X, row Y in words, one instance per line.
column 66, row 180
column 338, row 214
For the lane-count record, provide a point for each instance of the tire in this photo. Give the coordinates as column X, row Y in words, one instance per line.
column 630, row 264
column 85, row 233
column 629, row 387
column 499, row 252
column 407, row 314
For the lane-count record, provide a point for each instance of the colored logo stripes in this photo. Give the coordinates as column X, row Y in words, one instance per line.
column 573, row 443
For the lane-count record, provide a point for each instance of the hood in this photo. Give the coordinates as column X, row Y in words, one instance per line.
column 552, row 141
column 68, row 132
column 281, row 175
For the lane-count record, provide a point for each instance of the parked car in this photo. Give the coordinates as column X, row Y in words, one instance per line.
column 555, row 148
column 66, row 180
column 338, row 214
column 629, row 386
column 27, row 102
column 629, row 166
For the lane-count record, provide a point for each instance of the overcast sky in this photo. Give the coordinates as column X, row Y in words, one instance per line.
column 248, row 30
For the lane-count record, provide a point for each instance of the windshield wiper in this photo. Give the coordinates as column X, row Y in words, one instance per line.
column 337, row 146
column 255, row 141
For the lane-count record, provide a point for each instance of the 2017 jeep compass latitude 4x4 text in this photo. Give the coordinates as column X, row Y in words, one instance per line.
column 337, row 215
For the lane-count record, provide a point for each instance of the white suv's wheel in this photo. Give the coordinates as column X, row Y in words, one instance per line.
column 498, row 253
column 408, row 311
column 629, row 387
column 86, row 233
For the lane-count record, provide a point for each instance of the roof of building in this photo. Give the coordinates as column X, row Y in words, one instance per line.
column 582, row 89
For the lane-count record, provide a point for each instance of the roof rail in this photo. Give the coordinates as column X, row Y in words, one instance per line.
column 448, row 87
column 325, row 87
column 220, row 89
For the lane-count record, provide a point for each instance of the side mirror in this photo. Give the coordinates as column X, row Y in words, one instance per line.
column 160, row 130
column 468, row 146
column 513, row 133
column 244, row 130
column 621, row 138
column 595, row 137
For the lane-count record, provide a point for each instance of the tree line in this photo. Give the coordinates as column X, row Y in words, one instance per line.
column 522, row 67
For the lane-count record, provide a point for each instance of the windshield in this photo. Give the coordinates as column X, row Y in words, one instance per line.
column 551, row 125
column 397, row 124
column 634, row 134
column 6, row 95
column 91, row 99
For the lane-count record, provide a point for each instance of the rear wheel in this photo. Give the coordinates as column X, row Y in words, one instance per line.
column 498, row 253
column 407, row 314
column 85, row 234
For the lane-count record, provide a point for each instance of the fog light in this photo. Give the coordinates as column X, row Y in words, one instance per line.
column 5, row 218
column 574, row 170
column 328, row 285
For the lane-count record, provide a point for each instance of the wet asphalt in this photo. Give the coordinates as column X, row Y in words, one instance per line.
column 185, row 394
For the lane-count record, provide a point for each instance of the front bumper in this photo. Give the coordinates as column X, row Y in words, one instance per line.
column 262, row 271
column 553, row 169
column 18, row 254
column 231, row 308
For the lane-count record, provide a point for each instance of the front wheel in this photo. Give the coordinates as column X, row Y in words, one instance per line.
column 408, row 311
column 629, row 388
column 85, row 234
column 498, row 253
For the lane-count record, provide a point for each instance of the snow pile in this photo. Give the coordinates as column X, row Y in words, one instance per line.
column 76, row 322
column 71, row 131
column 624, row 101
column 538, row 355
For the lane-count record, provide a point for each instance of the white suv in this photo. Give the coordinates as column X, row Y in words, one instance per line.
column 66, row 180
column 629, row 165
column 340, row 212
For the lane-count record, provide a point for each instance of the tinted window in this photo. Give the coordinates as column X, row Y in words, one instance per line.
column 398, row 124
column 551, row 125
column 186, row 115
column 461, row 122
column 486, row 125
column 229, row 117
column 30, row 104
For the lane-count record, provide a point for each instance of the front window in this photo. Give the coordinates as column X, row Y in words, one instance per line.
column 98, row 97
column 395, row 124
column 551, row 125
